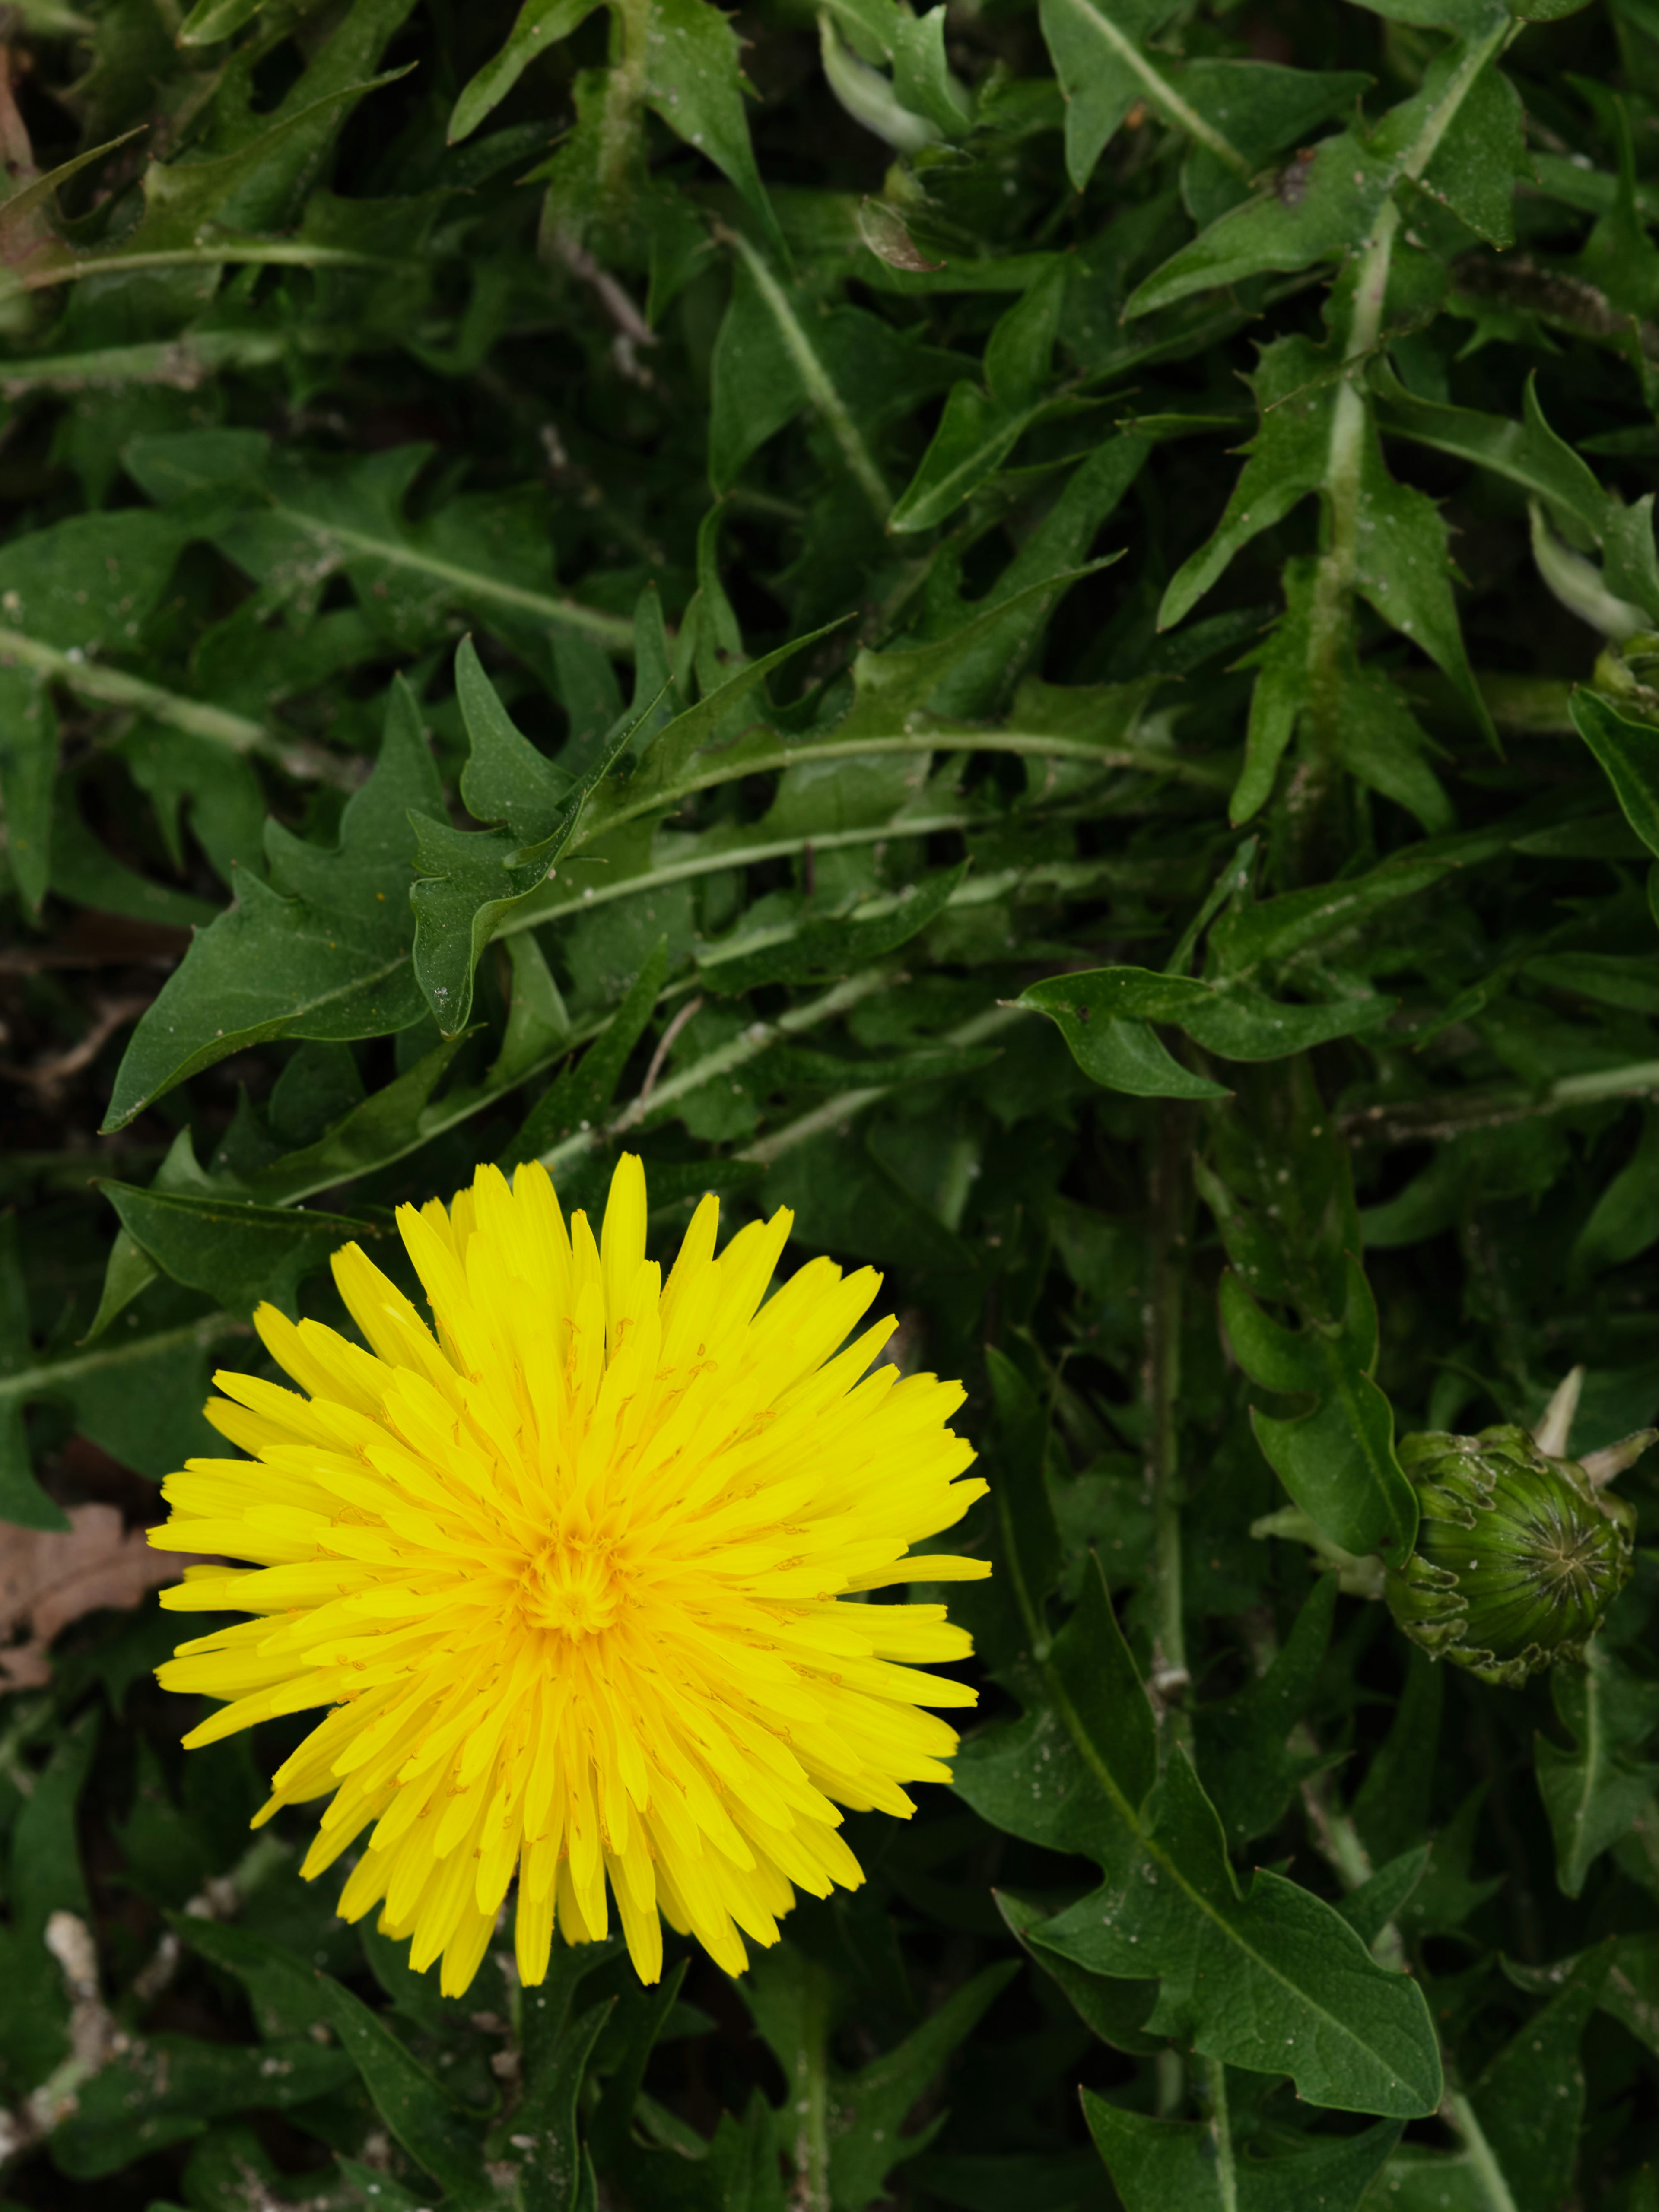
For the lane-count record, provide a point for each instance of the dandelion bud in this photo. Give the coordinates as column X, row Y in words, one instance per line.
column 1518, row 1554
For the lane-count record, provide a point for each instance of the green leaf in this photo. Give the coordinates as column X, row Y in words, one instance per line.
column 1104, row 68
column 913, row 47
column 980, row 428
column 540, row 24
column 613, row 2120
column 1113, row 2010
column 505, row 780
column 790, row 1998
column 417, row 2111
column 1121, row 1053
column 1624, row 1222
column 469, row 882
column 1530, row 2099
column 1263, row 109
column 826, row 948
column 167, row 2088
column 1279, row 695
column 1391, row 1808
column 84, row 869
column 1248, row 1977
column 209, row 21
column 1250, row 938
column 1243, row 1746
column 287, row 1995
column 290, row 522
column 389, row 1123
column 1595, row 1792
column 1338, row 1461
column 550, row 2163
column 1529, row 2108
column 1235, row 1023
column 1380, row 1897
column 985, row 676
column 322, row 951
column 1402, row 565
column 694, row 82
column 28, row 771
column 241, row 1255
column 1171, row 2165
column 1330, row 200
column 45, row 1877
column 1324, row 205
column 872, row 2104
column 1381, row 742
column 1478, row 161
column 1629, row 754
column 779, row 353
column 1295, row 390
column 581, row 1096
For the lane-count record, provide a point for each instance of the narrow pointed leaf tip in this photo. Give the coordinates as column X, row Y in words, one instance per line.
column 568, row 1564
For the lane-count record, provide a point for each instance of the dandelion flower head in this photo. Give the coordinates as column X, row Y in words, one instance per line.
column 577, row 1571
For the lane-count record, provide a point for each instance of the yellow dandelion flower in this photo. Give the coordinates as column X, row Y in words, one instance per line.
column 574, row 1574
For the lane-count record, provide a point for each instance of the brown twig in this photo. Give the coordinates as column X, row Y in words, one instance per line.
column 47, row 1076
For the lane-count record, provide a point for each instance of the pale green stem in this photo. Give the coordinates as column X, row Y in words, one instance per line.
column 1221, row 2134
column 809, row 2098
column 1460, row 2115
column 39, row 1382
column 1330, row 612
column 1129, row 55
column 615, row 633
column 1161, row 1388
column 744, row 1048
column 1066, row 878
column 819, row 384
column 276, row 251
column 113, row 687
column 182, row 362
column 1437, row 1121
column 1169, row 2084
column 1217, row 776
column 619, row 127
column 837, row 1112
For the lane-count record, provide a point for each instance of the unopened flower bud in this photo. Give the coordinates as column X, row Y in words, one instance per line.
column 1518, row 1554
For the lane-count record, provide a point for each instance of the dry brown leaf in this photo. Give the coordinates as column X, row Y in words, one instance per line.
column 51, row 1576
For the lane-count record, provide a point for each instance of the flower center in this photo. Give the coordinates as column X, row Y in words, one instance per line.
column 571, row 1586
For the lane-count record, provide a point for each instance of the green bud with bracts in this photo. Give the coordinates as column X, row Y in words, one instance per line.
column 1520, row 1551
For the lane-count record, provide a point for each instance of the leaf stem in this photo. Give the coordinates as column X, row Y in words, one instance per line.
column 820, row 386
column 1129, row 54
column 1170, row 1679
column 1209, row 773
column 614, row 632
column 40, row 1381
column 1330, row 615
column 1436, row 1121
column 112, row 687
column 1459, row 2114
column 809, row 2097
column 835, row 1113
column 623, row 93
column 1221, row 2134
column 294, row 253
column 748, row 1045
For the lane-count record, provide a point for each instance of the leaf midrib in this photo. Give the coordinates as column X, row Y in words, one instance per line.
column 1148, row 1844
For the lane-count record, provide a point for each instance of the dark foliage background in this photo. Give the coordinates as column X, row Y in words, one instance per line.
column 1061, row 680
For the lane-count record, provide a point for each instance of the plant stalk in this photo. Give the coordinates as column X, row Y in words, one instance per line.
column 1458, row 2115
column 1161, row 1384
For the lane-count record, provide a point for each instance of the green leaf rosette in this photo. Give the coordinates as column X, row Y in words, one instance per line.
column 1518, row 1554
